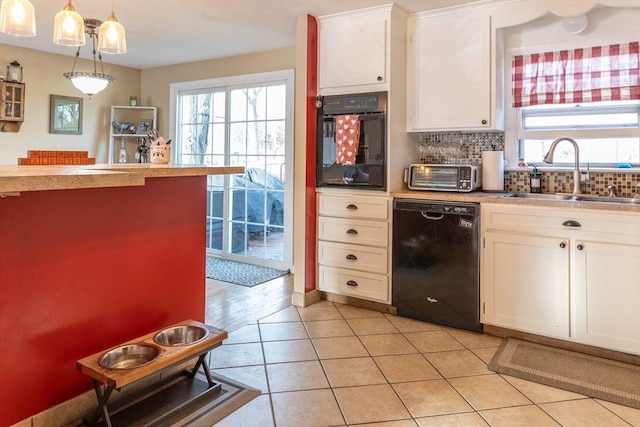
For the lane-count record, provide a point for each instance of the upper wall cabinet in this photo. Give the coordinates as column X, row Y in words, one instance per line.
column 451, row 83
column 354, row 49
column 11, row 106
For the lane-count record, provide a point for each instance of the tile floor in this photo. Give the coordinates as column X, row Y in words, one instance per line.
column 336, row 365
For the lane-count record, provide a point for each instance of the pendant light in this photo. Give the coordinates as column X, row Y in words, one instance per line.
column 90, row 83
column 68, row 27
column 17, row 18
column 112, row 38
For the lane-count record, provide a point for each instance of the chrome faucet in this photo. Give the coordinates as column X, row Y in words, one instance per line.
column 548, row 158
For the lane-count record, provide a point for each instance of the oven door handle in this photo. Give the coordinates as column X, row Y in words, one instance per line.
column 430, row 216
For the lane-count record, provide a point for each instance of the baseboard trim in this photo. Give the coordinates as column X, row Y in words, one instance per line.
column 356, row 302
column 305, row 300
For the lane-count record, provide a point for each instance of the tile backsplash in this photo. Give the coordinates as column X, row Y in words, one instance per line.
column 467, row 148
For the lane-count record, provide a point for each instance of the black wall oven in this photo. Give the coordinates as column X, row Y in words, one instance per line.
column 351, row 141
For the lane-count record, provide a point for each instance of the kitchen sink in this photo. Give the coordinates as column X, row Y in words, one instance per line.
column 540, row 196
column 575, row 198
column 599, row 199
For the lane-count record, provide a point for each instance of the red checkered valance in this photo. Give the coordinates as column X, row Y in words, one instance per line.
column 601, row 73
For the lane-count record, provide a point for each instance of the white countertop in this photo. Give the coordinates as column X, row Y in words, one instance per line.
column 15, row 179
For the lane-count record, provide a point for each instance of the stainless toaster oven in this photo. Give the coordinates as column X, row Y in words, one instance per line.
column 433, row 177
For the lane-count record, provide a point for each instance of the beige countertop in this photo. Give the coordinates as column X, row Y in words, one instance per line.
column 15, row 179
column 485, row 197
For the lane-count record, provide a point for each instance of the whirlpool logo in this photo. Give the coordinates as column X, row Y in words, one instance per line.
column 465, row 223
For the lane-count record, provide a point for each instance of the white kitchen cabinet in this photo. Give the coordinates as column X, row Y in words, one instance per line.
column 564, row 273
column 353, row 240
column 451, row 84
column 607, row 294
column 129, row 141
column 354, row 49
column 518, row 293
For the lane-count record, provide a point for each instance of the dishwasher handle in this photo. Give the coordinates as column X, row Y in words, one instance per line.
column 432, row 216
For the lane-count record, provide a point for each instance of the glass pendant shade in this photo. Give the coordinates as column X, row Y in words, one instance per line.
column 89, row 83
column 17, row 18
column 112, row 38
column 68, row 27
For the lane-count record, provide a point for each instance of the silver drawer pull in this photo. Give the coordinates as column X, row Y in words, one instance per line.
column 571, row 223
column 352, row 283
column 352, row 257
column 352, row 231
column 352, row 207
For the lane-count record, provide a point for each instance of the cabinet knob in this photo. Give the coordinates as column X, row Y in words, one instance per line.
column 571, row 223
column 352, row 257
column 352, row 231
column 563, row 245
column 379, row 78
column 484, row 122
column 352, row 207
column 580, row 246
column 352, row 283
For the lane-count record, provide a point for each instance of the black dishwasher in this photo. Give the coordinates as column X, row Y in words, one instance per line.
column 435, row 273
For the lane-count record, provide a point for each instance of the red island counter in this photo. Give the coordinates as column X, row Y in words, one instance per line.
column 90, row 257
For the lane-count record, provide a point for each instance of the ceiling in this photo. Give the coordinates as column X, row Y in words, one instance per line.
column 165, row 32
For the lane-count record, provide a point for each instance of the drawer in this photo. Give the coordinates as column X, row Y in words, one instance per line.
column 366, row 207
column 551, row 219
column 355, row 231
column 354, row 283
column 342, row 255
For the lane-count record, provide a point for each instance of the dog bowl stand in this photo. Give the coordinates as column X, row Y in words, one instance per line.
column 105, row 380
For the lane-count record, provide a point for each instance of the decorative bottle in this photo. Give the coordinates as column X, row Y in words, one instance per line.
column 122, row 156
column 535, row 181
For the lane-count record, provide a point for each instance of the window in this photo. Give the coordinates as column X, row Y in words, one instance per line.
column 590, row 95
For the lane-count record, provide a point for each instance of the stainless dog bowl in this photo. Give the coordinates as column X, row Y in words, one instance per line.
column 129, row 356
column 181, row 335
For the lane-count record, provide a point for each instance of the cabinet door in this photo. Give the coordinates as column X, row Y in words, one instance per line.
column 607, row 295
column 449, row 72
column 525, row 283
column 12, row 102
column 353, row 52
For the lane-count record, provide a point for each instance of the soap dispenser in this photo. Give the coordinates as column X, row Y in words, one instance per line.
column 535, row 181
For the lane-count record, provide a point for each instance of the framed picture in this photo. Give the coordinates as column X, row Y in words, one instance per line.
column 66, row 115
column 144, row 126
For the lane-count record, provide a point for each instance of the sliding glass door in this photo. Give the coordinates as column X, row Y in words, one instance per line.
column 248, row 125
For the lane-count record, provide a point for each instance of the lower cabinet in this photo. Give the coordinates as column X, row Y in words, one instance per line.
column 525, row 283
column 353, row 246
column 565, row 273
column 607, row 294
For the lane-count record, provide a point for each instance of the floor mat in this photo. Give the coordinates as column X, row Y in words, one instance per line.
column 592, row 376
column 240, row 273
